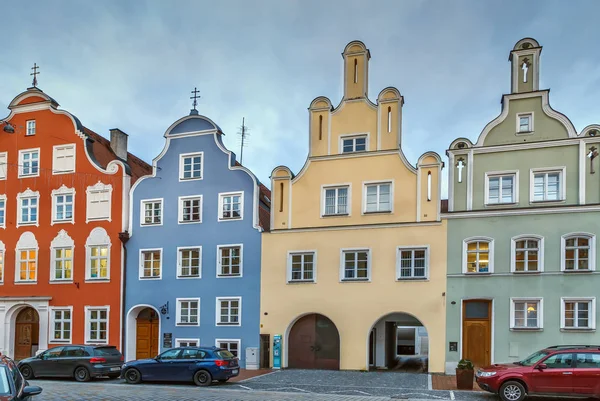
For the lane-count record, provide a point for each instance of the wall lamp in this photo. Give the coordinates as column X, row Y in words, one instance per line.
column 8, row 128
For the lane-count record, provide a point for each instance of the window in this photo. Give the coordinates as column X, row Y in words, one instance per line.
column 188, row 312
column 60, row 323
column 28, row 202
column 525, row 123
column 190, row 166
column 29, row 163
column 378, row 197
column 547, row 186
column 26, row 258
column 3, row 165
column 62, row 205
column 478, row 254
column 186, row 342
column 2, row 252
column 150, row 263
column 170, row 354
column 588, row 360
column 301, row 267
column 2, row 211
column 231, row 206
column 98, row 255
column 412, row 263
column 578, row 252
column 354, row 144
column 53, row 353
column 63, row 264
column 501, row 188
column 526, row 313
column 96, row 324
column 355, row 265
column 152, row 212
column 63, row 159
column 559, row 361
column 336, row 201
column 527, row 254
column 229, row 261
column 30, row 127
column 578, row 313
column 232, row 346
column 99, row 202
column 229, row 311
column 190, row 209
column 189, row 262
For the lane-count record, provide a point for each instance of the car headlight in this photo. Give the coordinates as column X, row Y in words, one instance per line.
column 487, row 374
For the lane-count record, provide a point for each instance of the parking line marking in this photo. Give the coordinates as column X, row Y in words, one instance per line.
column 256, row 377
column 452, row 395
column 247, row 388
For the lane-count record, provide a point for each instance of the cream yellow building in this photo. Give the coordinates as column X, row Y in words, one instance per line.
column 354, row 267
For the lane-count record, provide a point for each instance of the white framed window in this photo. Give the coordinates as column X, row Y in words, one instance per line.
column 152, row 211
column 302, row 266
column 96, row 324
column 98, row 205
column 191, row 166
column 578, row 252
column 30, row 127
column 28, row 207
column 527, row 254
column 2, row 253
column 355, row 265
column 61, row 251
column 2, row 211
column 187, row 342
column 336, row 200
column 377, row 197
column 547, row 185
column 229, row 311
column 524, row 123
column 26, row 261
column 189, row 262
column 63, row 159
column 188, row 312
column 3, row 165
column 232, row 345
column 526, row 313
column 98, row 255
column 63, row 205
column 29, row 163
column 150, row 263
column 61, row 324
column 578, row 313
column 501, row 187
column 190, row 209
column 230, row 260
column 412, row 263
column 354, row 143
column 231, row 206
column 478, row 255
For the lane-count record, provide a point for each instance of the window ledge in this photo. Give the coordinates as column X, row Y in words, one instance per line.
column 478, row 274
column 189, row 222
column 59, row 341
column 577, row 329
column 527, row 272
column 187, row 324
column 150, row 224
column 70, row 281
column 524, row 132
column 527, row 329
column 301, row 282
column 400, row 279
column 501, row 204
column 542, row 202
column 150, row 278
column 578, row 271
column 190, row 179
column 25, row 282
column 379, row 212
column 336, row 215
column 61, row 172
column 355, row 280
column 228, row 324
column 97, row 280
column 230, row 219
column 229, row 275
column 188, row 277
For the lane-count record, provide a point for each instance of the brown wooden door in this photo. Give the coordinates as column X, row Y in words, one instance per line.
column 26, row 333
column 147, row 334
column 265, row 350
column 391, row 333
column 477, row 332
column 314, row 343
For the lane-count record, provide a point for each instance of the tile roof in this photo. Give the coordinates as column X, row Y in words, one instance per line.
column 264, row 208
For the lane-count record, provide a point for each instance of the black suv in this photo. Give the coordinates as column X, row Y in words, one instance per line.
column 13, row 387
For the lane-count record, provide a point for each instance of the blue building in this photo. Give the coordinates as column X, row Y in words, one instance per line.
column 194, row 252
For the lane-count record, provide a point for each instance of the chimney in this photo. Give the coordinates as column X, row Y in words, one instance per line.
column 118, row 143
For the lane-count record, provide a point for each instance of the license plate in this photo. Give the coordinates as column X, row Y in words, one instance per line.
column 115, row 369
column 235, row 371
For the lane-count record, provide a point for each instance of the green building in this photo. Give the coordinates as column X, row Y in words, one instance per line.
column 523, row 220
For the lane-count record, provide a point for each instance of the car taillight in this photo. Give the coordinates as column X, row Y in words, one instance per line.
column 122, row 358
column 220, row 362
column 97, row 360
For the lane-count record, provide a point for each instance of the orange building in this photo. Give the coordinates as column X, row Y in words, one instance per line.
column 63, row 212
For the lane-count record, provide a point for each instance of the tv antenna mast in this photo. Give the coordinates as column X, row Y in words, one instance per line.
column 243, row 133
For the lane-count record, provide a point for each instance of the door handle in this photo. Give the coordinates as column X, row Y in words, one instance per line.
column 312, row 347
column 567, row 373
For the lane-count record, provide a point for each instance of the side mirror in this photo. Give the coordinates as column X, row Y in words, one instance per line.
column 541, row 366
column 29, row 391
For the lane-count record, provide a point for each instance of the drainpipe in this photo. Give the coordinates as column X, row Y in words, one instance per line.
column 124, row 237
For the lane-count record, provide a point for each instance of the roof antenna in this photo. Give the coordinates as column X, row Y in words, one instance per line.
column 243, row 133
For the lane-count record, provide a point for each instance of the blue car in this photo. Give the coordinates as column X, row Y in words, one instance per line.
column 202, row 365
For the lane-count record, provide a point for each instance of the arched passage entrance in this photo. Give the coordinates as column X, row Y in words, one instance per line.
column 147, row 333
column 27, row 333
column 314, row 343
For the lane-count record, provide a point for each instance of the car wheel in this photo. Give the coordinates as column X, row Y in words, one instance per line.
column 202, row 378
column 132, row 376
column 512, row 391
column 223, row 380
column 27, row 372
column 82, row 374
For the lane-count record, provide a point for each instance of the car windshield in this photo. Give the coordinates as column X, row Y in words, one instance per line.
column 224, row 354
column 533, row 358
column 4, row 386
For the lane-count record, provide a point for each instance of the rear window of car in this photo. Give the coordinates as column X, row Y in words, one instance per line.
column 224, row 354
column 106, row 351
column 4, row 386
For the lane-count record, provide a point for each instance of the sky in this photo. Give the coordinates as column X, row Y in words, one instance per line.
column 131, row 64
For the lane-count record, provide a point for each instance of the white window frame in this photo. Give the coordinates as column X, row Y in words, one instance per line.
column 372, row 183
column 178, row 312
column 219, row 274
column 180, row 201
column 55, row 156
column 230, row 341
column 28, row 194
column 540, row 315
column 3, row 165
column 88, row 321
column 412, row 248
column 31, row 127
column 65, row 242
column 324, row 189
column 290, row 255
column 98, row 189
column 62, row 191
column 178, row 342
column 518, row 123
column 179, row 264
column 2, row 261
column 3, row 210
column 22, row 153
column 513, row 252
column 490, row 242
column 182, row 156
column 98, row 238
column 155, row 201
column 142, row 260
column 353, row 137
column 223, row 195
column 218, row 311
column 562, row 182
column 27, row 242
column 61, row 340
column 498, row 174
column 343, row 251
column 592, row 251
column 591, row 316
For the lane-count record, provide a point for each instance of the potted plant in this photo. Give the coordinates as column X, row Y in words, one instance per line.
column 464, row 375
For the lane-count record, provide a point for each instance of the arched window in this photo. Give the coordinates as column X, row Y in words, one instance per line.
column 478, row 255
column 61, row 255
column 355, row 71
column 428, row 186
column 527, row 254
column 281, row 197
column 26, row 258
column 578, row 252
column 389, row 119
column 97, row 255
column 320, row 127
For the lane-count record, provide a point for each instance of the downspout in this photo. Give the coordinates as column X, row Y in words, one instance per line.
column 124, row 237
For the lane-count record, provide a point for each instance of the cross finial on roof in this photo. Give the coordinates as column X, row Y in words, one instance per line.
column 195, row 97
column 35, row 73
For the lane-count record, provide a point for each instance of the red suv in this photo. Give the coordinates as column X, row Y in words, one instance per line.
column 562, row 370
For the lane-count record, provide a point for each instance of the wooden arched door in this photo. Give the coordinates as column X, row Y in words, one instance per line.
column 147, row 334
column 314, row 343
column 27, row 333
